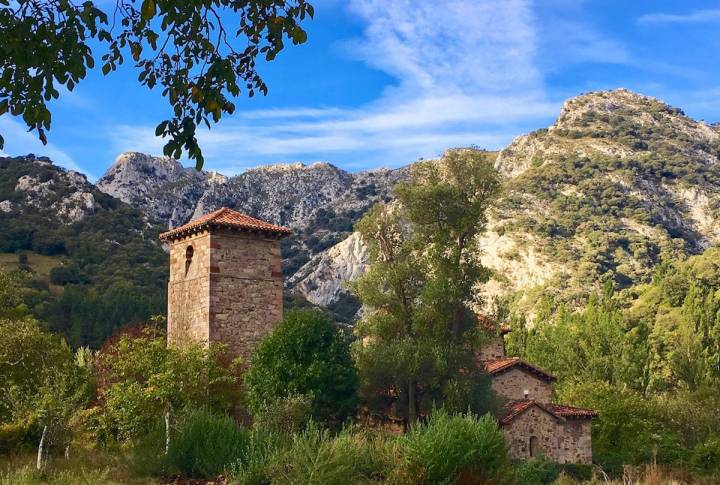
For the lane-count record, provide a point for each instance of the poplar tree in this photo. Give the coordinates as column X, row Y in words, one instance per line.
column 418, row 337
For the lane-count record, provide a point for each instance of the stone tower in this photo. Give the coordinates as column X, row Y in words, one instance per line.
column 225, row 280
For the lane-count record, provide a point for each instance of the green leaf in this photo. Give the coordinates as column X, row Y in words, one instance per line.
column 4, row 106
column 2, row 142
column 106, row 69
column 160, row 129
column 148, row 9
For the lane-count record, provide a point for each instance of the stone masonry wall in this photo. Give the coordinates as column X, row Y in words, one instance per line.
column 533, row 422
column 512, row 384
column 492, row 349
column 189, row 290
column 246, row 290
column 576, row 446
column 564, row 441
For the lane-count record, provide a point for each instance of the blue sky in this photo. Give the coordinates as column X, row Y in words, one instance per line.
column 385, row 82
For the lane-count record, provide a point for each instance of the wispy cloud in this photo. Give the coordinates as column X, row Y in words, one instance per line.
column 464, row 74
column 697, row 16
column 19, row 141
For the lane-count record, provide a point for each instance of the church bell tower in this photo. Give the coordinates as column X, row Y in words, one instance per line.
column 225, row 281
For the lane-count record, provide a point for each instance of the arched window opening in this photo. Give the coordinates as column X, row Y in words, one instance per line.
column 188, row 258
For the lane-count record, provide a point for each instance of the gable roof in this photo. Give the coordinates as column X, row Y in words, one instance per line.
column 513, row 409
column 498, row 366
column 227, row 218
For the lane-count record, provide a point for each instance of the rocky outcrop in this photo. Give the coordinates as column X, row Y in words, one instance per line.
column 65, row 193
column 322, row 280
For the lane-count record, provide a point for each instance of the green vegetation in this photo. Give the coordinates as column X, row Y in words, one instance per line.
column 417, row 338
column 86, row 279
column 202, row 35
column 305, row 355
column 646, row 358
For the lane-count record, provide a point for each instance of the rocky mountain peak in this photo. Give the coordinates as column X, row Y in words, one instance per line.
column 617, row 123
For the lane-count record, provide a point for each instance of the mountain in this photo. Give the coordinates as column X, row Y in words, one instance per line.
column 319, row 202
column 102, row 264
column 619, row 183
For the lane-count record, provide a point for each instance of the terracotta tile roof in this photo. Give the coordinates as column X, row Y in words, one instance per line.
column 513, row 409
column 225, row 217
column 488, row 324
column 501, row 365
column 571, row 412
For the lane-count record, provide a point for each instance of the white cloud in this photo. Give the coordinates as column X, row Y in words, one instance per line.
column 697, row 16
column 18, row 141
column 464, row 74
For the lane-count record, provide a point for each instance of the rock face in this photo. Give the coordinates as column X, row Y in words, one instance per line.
column 288, row 194
column 322, row 280
column 64, row 193
column 617, row 183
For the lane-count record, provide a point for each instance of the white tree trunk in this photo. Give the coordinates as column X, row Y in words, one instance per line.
column 41, row 450
column 167, row 432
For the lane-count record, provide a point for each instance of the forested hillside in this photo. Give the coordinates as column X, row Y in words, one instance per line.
column 647, row 358
column 103, row 266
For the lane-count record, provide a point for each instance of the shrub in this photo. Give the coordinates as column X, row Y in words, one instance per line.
column 453, row 448
column 263, row 447
column 307, row 355
column 537, row 471
column 206, row 444
column 315, row 457
column 705, row 457
column 286, row 415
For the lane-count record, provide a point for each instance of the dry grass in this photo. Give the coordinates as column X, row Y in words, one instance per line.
column 84, row 467
column 651, row 474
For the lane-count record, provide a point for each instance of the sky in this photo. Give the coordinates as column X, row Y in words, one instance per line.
column 382, row 83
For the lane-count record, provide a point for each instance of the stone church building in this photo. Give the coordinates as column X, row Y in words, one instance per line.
column 532, row 423
column 226, row 286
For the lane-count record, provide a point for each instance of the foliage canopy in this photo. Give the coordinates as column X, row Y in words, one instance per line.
column 202, row 53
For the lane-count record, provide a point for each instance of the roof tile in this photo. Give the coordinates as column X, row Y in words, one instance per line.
column 500, row 365
column 225, row 217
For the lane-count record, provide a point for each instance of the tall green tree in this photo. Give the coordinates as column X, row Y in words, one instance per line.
column 306, row 355
column 202, row 54
column 418, row 335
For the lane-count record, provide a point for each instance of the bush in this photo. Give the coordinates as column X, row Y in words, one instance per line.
column 305, row 355
column 286, row 415
column 453, row 448
column 315, row 457
column 206, row 444
column 263, row 448
column 705, row 457
column 537, row 471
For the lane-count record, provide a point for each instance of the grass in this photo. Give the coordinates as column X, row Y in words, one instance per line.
column 83, row 467
column 40, row 264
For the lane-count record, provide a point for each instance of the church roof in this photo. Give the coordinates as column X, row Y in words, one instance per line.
column 497, row 366
column 227, row 218
column 513, row 409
